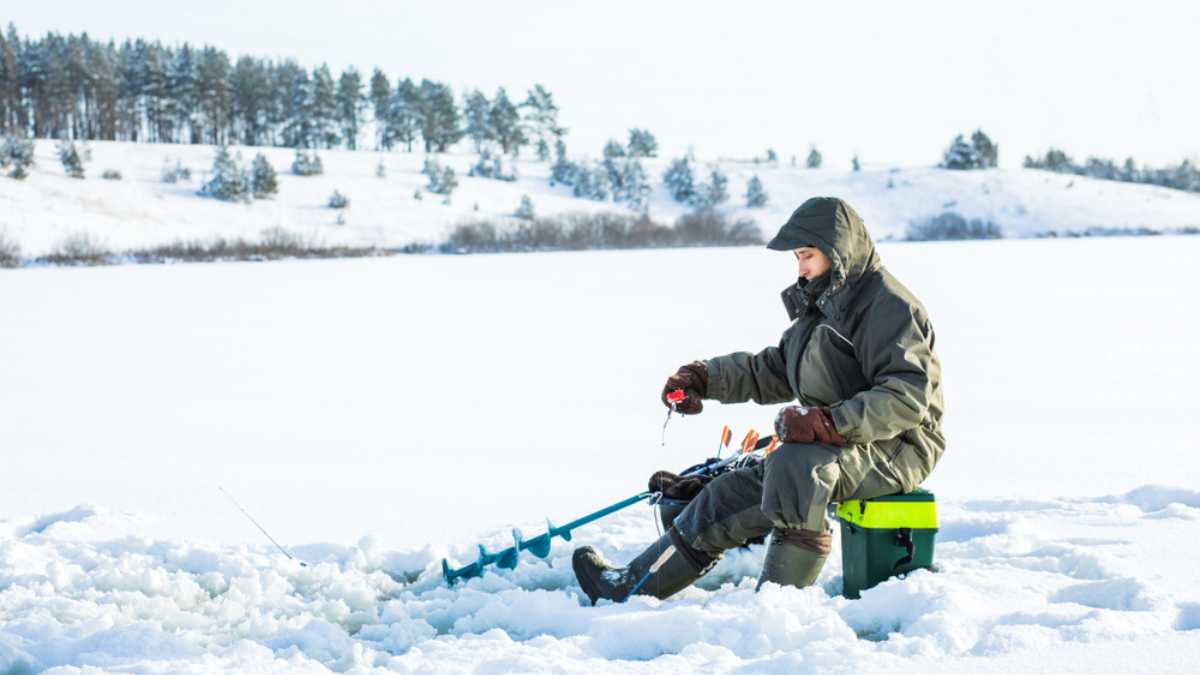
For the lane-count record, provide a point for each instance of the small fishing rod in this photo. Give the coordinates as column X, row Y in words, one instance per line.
column 260, row 528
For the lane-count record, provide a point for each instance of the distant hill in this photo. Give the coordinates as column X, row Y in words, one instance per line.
column 140, row 210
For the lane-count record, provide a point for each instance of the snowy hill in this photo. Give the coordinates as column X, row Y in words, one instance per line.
column 140, row 210
column 377, row 414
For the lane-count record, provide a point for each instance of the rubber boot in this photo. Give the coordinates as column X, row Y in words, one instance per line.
column 795, row 557
column 665, row 568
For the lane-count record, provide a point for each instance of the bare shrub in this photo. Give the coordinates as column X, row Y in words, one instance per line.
column 952, row 226
column 80, row 248
column 606, row 230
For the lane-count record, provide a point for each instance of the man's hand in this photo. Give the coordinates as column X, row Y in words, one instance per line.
column 693, row 380
column 802, row 424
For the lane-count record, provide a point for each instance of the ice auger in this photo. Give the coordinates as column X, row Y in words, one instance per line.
column 540, row 545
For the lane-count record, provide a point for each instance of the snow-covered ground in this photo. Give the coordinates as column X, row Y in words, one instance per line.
column 377, row 414
column 141, row 211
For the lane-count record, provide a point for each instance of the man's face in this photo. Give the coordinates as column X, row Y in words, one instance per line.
column 813, row 263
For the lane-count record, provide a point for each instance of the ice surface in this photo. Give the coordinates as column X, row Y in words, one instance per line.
column 376, row 415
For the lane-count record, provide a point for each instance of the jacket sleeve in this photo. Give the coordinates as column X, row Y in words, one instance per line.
column 742, row 376
column 896, row 353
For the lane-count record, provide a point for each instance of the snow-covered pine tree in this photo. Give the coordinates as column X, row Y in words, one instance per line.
column 304, row 164
column 680, row 179
column 68, row 155
column 506, row 123
column 756, row 195
column 642, row 143
column 539, row 116
column 16, row 155
column 987, row 151
column 381, row 102
column 961, row 155
column 475, row 116
column 855, row 165
column 263, row 181
column 448, row 183
column 323, row 110
column 228, row 181
column 403, row 121
column 337, row 200
column 814, row 159
column 713, row 191
column 350, row 105
column 525, row 209
column 437, row 116
column 490, row 165
column 635, row 186
column 613, row 149
column 380, row 169
column 563, row 170
column 771, row 156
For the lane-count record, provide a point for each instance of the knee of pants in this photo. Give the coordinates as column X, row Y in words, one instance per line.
column 798, row 484
column 725, row 514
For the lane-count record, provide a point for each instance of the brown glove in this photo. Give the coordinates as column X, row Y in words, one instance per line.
column 693, row 380
column 674, row 487
column 802, row 424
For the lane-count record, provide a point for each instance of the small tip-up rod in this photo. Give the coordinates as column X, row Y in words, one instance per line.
column 260, row 528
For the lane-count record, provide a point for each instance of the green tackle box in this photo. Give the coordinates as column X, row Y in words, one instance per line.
column 884, row 537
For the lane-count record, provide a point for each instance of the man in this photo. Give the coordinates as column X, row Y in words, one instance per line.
column 859, row 358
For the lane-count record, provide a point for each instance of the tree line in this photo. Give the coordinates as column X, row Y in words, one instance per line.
column 72, row 87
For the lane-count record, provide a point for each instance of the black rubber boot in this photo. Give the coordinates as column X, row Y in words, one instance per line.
column 665, row 568
column 795, row 557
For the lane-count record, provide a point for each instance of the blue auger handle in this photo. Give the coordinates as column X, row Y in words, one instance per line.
column 539, row 545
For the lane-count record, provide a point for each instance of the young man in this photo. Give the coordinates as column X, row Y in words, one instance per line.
column 859, row 359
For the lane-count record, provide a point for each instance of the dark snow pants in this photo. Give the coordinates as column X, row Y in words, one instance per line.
column 792, row 490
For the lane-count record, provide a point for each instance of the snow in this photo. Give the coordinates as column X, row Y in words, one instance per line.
column 376, row 415
column 140, row 211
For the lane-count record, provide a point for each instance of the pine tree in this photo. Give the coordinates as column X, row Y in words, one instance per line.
column 263, row 181
column 350, row 106
column 988, row 153
column 404, row 116
column 476, row 111
column 540, row 119
column 381, row 105
column 214, row 98
column 712, row 192
column 642, row 143
column 228, row 182
column 563, row 170
column 756, row 196
column 323, row 109
column 634, row 186
column 68, row 154
column 16, row 155
column 680, row 180
column 337, row 200
column 525, row 209
column 505, row 122
column 814, row 159
column 613, row 149
column 304, row 164
column 960, row 155
column 854, row 164
column 437, row 116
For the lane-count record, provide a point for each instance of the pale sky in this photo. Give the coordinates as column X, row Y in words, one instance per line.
column 892, row 81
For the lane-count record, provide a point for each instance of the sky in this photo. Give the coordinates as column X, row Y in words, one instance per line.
column 891, row 82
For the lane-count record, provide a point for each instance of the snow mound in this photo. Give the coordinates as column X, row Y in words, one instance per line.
column 1015, row 577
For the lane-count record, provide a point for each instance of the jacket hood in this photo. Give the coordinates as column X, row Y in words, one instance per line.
column 833, row 227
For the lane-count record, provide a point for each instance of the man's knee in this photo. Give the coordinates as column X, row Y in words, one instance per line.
column 798, row 483
column 725, row 514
